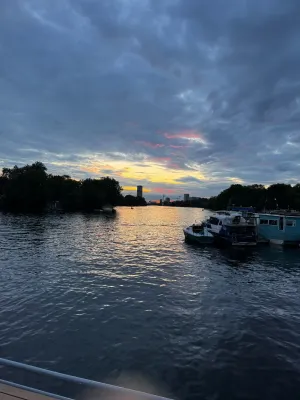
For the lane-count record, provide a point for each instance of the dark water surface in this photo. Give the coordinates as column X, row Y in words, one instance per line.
column 126, row 297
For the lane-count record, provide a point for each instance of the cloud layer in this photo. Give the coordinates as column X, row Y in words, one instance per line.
column 178, row 95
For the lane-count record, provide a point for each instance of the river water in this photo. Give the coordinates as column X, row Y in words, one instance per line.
column 126, row 300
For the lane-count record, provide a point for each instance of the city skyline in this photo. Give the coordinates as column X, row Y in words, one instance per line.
column 180, row 96
column 139, row 190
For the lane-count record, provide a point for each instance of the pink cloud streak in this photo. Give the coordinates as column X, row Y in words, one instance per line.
column 186, row 134
column 174, row 166
column 160, row 159
column 151, row 145
column 174, row 146
column 163, row 190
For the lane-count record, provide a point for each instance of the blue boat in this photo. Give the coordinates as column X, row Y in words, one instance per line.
column 281, row 228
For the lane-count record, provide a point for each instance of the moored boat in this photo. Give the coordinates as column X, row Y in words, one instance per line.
column 108, row 209
column 280, row 227
column 232, row 228
column 198, row 233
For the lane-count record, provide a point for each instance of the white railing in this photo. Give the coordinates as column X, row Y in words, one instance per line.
column 82, row 382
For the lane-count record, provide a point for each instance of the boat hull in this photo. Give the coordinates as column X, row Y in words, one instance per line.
column 236, row 242
column 191, row 237
column 286, row 243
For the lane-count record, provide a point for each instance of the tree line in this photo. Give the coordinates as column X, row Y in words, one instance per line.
column 31, row 188
column 200, row 202
column 278, row 195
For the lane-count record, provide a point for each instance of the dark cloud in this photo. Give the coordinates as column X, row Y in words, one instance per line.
column 189, row 179
column 122, row 79
column 108, row 171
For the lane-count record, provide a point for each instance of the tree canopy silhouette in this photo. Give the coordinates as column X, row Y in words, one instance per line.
column 24, row 188
column 278, row 195
column 31, row 188
column 130, row 200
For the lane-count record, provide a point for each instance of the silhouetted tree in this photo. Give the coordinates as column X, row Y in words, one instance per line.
column 296, row 197
column 112, row 190
column 65, row 191
column 95, row 193
column 279, row 195
column 130, row 200
column 30, row 188
column 25, row 188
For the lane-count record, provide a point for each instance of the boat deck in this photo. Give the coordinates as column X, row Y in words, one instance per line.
column 8, row 392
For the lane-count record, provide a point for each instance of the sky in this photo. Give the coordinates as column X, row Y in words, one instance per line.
column 180, row 96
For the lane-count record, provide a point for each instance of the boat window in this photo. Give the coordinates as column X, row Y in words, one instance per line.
column 290, row 222
column 273, row 222
column 264, row 222
column 197, row 228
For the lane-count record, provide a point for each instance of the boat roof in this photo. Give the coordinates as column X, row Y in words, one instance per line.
column 225, row 214
column 227, row 219
column 241, row 208
column 281, row 214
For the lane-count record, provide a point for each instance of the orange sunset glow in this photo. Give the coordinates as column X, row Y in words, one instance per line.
column 170, row 175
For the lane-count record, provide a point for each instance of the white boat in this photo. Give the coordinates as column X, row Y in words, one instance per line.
column 232, row 228
column 198, row 233
column 108, row 209
column 215, row 221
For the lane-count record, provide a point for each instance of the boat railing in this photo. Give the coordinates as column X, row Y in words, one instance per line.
column 82, row 383
column 231, row 222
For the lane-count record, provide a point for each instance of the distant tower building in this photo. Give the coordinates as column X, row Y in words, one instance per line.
column 139, row 191
column 186, row 197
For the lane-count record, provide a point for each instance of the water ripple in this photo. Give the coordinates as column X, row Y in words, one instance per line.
column 108, row 298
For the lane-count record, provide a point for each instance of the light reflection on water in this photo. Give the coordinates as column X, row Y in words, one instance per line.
column 124, row 297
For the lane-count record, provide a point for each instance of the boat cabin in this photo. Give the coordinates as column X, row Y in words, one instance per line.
column 214, row 223
column 232, row 227
column 197, row 228
column 280, row 228
column 234, row 219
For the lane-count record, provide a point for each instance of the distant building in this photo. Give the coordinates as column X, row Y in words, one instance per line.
column 186, row 197
column 139, row 191
column 167, row 200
